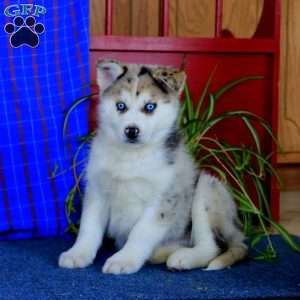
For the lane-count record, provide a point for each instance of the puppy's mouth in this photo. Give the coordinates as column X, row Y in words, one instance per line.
column 133, row 142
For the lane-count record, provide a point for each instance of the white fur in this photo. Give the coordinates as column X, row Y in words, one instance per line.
column 136, row 196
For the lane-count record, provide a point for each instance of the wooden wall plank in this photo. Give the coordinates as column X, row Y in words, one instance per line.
column 145, row 18
column 97, row 14
column 192, row 18
column 241, row 17
column 130, row 17
column 289, row 108
column 173, row 17
column 122, row 17
column 290, row 177
column 187, row 18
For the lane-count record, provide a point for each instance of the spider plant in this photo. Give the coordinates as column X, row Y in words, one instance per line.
column 239, row 166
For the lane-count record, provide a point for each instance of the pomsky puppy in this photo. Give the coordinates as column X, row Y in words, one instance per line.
column 144, row 189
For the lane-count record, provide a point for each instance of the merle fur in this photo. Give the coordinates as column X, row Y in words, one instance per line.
column 172, row 143
column 159, row 83
column 125, row 69
column 220, row 240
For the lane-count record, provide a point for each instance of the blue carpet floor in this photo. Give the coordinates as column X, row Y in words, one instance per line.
column 28, row 270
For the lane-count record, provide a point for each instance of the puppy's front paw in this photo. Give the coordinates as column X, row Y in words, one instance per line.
column 75, row 259
column 121, row 264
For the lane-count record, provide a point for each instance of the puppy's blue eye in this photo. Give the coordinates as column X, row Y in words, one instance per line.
column 150, row 107
column 121, row 106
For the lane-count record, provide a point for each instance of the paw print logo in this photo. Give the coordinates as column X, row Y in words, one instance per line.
column 24, row 31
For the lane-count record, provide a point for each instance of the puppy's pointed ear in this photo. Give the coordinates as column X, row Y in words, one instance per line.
column 108, row 71
column 179, row 79
column 172, row 79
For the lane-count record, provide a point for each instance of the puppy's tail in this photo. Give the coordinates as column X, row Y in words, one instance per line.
column 233, row 254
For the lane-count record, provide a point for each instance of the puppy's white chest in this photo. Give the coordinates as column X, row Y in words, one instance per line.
column 128, row 201
column 132, row 181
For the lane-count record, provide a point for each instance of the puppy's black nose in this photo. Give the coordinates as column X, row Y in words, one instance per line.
column 131, row 133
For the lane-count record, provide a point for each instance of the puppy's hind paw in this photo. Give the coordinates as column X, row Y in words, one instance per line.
column 74, row 259
column 180, row 260
column 186, row 259
column 119, row 264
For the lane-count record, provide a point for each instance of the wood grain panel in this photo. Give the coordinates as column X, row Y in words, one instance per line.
column 173, row 17
column 290, row 177
column 241, row 17
column 192, row 18
column 122, row 17
column 97, row 14
column 289, row 108
column 130, row 17
column 290, row 211
column 145, row 18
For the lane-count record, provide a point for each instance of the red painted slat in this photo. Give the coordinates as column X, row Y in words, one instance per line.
column 275, row 194
column 108, row 17
column 165, row 18
column 218, row 18
column 269, row 17
column 172, row 44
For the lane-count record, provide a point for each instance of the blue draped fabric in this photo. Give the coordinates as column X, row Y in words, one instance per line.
column 44, row 67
